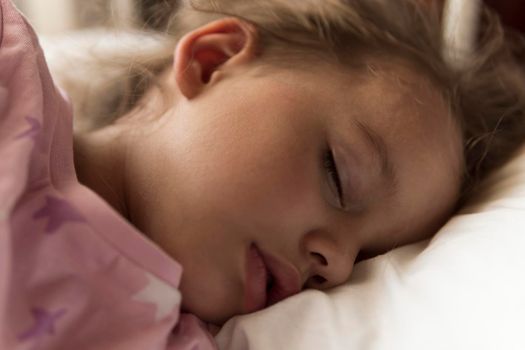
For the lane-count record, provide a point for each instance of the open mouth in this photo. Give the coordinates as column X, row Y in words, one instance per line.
column 282, row 279
column 268, row 280
column 256, row 281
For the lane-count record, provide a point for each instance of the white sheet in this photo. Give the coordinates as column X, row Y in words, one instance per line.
column 464, row 289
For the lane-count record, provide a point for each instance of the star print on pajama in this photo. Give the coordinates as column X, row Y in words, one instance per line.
column 35, row 127
column 44, row 324
column 57, row 212
column 164, row 297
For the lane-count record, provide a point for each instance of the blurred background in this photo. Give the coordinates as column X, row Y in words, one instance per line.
column 51, row 17
column 57, row 16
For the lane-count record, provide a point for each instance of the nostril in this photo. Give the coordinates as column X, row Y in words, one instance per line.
column 318, row 279
column 320, row 258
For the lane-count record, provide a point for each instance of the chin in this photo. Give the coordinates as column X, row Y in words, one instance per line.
column 216, row 318
column 215, row 313
column 213, row 297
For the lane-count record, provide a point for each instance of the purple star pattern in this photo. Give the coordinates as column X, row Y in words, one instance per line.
column 35, row 127
column 58, row 212
column 44, row 324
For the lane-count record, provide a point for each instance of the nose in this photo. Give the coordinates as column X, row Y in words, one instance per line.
column 330, row 262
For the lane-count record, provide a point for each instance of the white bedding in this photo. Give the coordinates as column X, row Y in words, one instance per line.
column 463, row 289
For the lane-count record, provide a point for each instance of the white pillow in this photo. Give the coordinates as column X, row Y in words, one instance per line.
column 463, row 289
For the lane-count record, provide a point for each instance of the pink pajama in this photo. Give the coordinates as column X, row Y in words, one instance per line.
column 73, row 273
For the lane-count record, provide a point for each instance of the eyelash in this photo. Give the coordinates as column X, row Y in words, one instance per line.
column 331, row 167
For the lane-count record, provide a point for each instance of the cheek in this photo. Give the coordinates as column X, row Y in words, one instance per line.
column 251, row 188
column 250, row 165
column 259, row 186
column 287, row 200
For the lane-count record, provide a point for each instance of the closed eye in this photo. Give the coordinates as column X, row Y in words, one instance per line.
column 331, row 168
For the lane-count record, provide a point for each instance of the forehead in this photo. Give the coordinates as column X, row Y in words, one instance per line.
column 424, row 139
column 396, row 100
column 406, row 109
column 405, row 106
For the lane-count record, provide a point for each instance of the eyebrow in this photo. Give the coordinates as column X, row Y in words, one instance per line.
column 377, row 142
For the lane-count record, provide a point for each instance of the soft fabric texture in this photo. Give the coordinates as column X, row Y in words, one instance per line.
column 463, row 289
column 73, row 273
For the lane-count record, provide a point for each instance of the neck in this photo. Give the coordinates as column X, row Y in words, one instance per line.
column 100, row 165
column 101, row 156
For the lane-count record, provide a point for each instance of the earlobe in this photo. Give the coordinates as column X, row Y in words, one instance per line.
column 201, row 53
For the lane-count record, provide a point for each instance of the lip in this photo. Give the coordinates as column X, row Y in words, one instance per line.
column 260, row 267
column 286, row 279
column 255, row 295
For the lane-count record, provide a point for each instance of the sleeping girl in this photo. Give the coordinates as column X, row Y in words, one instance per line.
column 263, row 150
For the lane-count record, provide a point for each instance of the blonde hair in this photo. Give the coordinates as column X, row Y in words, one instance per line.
column 488, row 97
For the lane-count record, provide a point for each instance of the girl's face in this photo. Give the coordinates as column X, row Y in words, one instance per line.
column 310, row 167
column 263, row 176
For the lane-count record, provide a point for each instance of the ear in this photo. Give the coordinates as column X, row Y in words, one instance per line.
column 202, row 53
